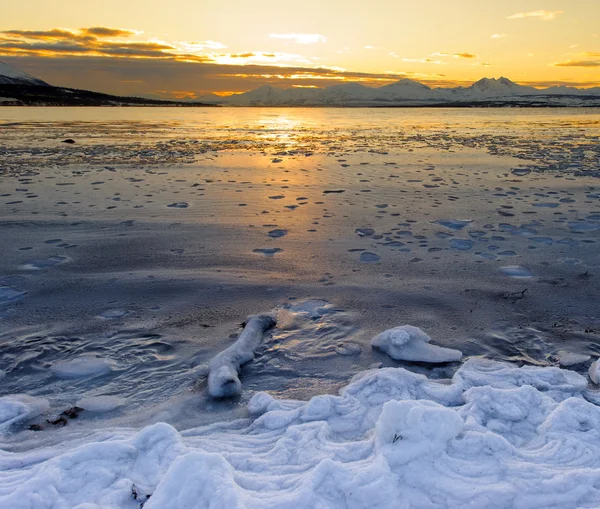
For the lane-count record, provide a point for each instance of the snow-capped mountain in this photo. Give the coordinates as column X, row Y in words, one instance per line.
column 408, row 92
column 9, row 75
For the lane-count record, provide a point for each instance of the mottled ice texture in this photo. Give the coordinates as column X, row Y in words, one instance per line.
column 410, row 343
column 223, row 380
column 495, row 436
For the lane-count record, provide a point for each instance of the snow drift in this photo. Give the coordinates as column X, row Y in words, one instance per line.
column 496, row 436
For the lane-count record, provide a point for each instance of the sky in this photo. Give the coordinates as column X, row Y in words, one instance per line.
column 188, row 48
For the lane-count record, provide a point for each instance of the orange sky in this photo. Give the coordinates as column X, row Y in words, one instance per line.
column 189, row 48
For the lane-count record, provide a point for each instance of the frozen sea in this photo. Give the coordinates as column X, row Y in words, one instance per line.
column 131, row 256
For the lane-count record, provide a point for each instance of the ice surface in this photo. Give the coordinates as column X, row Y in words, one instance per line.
column 223, row 378
column 495, row 436
column 99, row 404
column 410, row 343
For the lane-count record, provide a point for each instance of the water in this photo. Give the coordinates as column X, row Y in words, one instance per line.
column 132, row 256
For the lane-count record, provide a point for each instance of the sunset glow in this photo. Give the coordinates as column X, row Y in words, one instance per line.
column 203, row 47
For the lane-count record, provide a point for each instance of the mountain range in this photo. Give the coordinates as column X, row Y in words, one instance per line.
column 407, row 92
column 18, row 87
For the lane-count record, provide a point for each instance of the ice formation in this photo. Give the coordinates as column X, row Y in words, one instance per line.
column 496, row 436
column 594, row 371
column 410, row 343
column 223, row 378
column 17, row 408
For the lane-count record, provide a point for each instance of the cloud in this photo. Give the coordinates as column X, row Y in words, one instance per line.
column 544, row 15
column 98, row 41
column 498, row 36
column 578, row 63
column 423, row 61
column 300, row 38
column 464, row 54
column 170, row 78
column 108, row 32
column 593, row 54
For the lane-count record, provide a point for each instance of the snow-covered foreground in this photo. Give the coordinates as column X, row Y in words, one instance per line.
column 496, row 436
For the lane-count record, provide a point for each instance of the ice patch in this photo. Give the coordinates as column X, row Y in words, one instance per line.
column 268, row 251
column 571, row 359
column 453, row 224
column 516, row 271
column 461, row 244
column 17, row 408
column 369, row 257
column 412, row 344
column 9, row 294
column 110, row 314
column 46, row 263
column 84, row 366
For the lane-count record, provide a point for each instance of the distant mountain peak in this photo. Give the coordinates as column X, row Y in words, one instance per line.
column 10, row 75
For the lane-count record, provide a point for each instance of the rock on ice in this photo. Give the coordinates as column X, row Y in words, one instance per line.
column 410, row 343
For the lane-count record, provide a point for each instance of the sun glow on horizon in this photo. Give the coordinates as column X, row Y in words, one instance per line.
column 222, row 51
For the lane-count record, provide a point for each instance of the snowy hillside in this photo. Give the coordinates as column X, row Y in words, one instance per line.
column 11, row 76
column 407, row 92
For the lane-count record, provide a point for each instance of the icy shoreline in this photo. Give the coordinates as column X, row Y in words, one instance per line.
column 496, row 436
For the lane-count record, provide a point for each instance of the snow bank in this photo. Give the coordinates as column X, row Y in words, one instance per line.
column 495, row 436
column 410, row 343
column 223, row 373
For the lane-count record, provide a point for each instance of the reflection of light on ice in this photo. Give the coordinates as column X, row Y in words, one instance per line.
column 496, row 436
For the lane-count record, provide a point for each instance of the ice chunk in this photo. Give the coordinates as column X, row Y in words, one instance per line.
column 594, row 371
column 223, row 378
column 86, row 365
column 410, row 343
column 570, row 358
column 17, row 408
column 100, row 404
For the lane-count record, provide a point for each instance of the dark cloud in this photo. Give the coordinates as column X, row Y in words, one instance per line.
column 87, row 41
column 127, row 76
column 107, row 32
column 55, row 34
